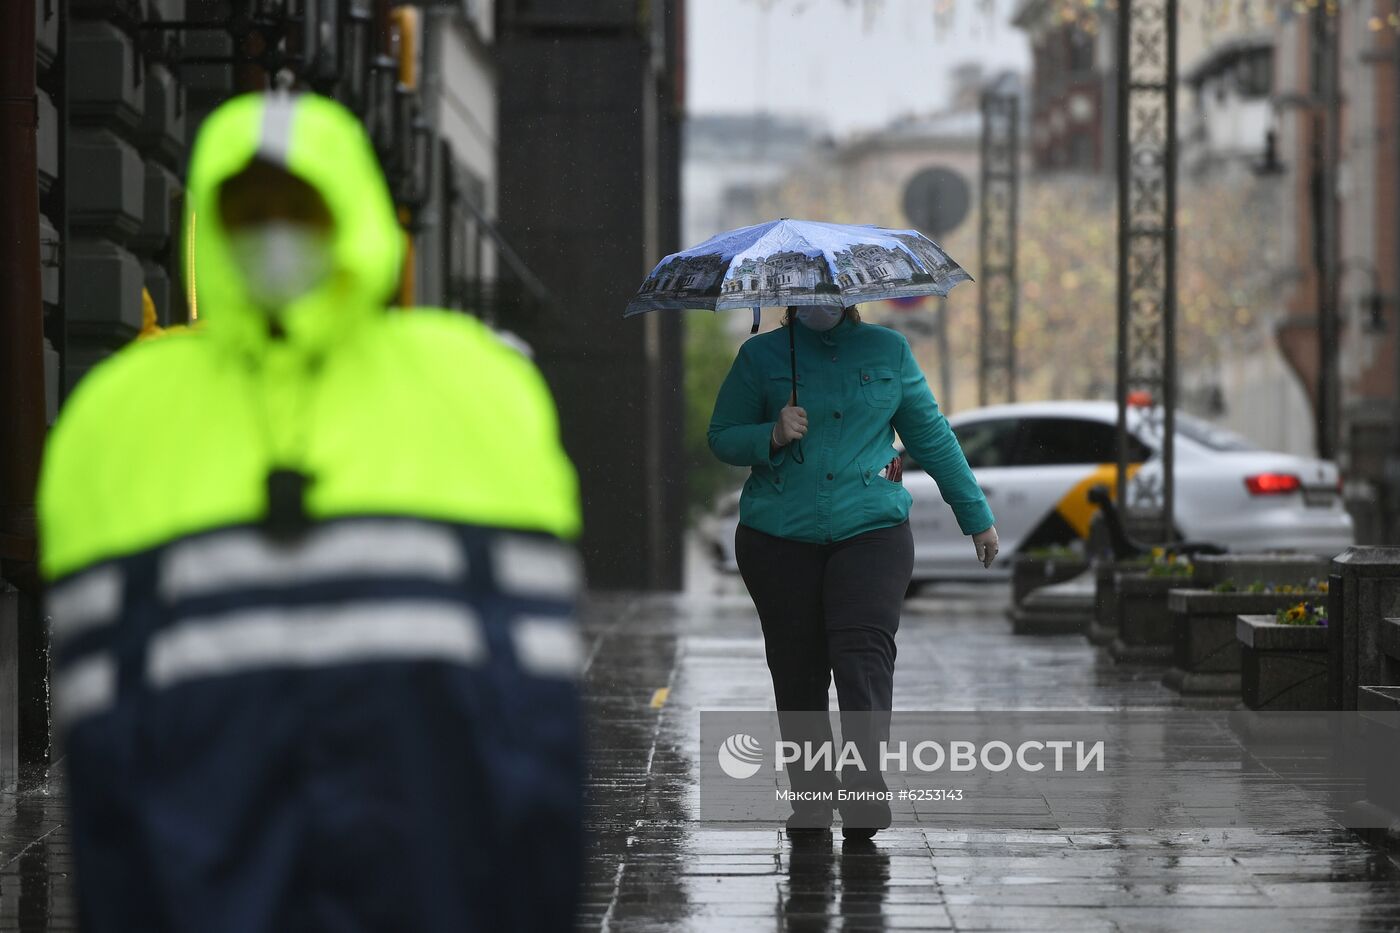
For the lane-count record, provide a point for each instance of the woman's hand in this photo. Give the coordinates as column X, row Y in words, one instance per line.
column 790, row 426
column 985, row 543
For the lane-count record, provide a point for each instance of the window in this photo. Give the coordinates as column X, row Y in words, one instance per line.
column 1058, row 441
column 988, row 443
column 1081, row 51
column 1210, row 435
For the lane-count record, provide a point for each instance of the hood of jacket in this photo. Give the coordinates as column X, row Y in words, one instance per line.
column 323, row 144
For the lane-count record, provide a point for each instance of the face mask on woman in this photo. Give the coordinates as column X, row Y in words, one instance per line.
column 820, row 317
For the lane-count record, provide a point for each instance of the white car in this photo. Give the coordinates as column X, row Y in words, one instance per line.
column 1036, row 462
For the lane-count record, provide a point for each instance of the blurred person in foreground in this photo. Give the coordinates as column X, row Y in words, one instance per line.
column 823, row 542
column 311, row 587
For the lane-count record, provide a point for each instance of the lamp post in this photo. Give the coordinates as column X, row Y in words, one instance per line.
column 1326, row 154
column 997, row 230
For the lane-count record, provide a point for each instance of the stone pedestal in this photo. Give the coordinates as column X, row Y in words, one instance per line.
column 1103, row 627
column 1058, row 609
column 1029, row 573
column 1380, row 811
column 1244, row 569
column 1206, row 658
column 1283, row 667
column 1364, row 641
column 1144, row 624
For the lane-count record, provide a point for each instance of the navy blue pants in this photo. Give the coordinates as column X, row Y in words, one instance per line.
column 830, row 611
column 370, row 797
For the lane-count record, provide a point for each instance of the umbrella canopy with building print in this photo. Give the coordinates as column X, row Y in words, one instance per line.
column 798, row 262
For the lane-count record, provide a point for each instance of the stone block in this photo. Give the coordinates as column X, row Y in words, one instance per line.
column 1364, row 595
column 1206, row 658
column 53, row 366
column 102, row 76
column 50, row 269
column 1144, row 623
column 1103, row 627
column 160, row 214
column 46, row 13
column 1061, row 608
column 106, row 184
column 162, row 130
column 1379, row 708
column 162, row 290
column 103, row 283
column 1269, row 567
column 1029, row 572
column 1282, row 667
column 47, row 143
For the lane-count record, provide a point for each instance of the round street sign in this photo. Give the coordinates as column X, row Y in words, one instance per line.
column 936, row 200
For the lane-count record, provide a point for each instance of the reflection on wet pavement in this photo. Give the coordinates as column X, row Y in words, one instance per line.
column 652, row 867
column 35, row 877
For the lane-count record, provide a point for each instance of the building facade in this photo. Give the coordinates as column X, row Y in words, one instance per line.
column 119, row 90
column 1072, row 89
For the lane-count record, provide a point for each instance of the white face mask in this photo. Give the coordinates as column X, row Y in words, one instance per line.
column 820, row 317
column 280, row 261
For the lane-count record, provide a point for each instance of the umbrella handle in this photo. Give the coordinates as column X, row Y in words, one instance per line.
column 797, row 456
column 792, row 358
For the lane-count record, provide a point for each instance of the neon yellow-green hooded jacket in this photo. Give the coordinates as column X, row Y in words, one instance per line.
column 270, row 724
column 422, row 414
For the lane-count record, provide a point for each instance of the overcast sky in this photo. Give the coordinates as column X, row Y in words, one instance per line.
column 854, row 64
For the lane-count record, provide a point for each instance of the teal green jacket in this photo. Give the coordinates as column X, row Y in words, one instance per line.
column 859, row 384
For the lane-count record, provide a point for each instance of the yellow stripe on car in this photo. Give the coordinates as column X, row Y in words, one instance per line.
column 1075, row 507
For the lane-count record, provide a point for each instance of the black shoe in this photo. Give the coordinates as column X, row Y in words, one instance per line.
column 809, row 824
column 862, row 819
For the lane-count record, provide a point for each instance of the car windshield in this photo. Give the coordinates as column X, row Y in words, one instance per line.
column 1212, row 436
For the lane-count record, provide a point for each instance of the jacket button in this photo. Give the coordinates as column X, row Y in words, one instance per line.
column 829, row 476
column 864, row 378
column 833, row 359
column 836, row 414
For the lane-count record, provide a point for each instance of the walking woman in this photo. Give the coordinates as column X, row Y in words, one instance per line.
column 823, row 543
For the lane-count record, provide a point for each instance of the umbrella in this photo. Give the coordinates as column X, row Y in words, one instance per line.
column 798, row 262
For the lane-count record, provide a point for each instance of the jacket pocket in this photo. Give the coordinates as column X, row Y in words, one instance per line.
column 884, row 500
column 870, row 475
column 880, row 387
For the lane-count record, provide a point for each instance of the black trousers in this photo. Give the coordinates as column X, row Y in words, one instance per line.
column 831, row 610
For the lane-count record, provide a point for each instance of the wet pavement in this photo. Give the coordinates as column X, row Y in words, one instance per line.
column 655, row 661
column 36, row 887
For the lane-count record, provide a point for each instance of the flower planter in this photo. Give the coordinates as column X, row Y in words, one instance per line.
column 1029, row 573
column 1381, row 731
column 1144, row 624
column 1206, row 658
column 1061, row 608
column 1282, row 667
column 1276, row 568
column 1103, row 627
